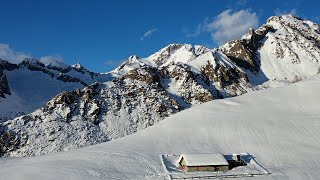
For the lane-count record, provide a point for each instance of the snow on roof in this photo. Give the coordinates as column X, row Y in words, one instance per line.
column 203, row 159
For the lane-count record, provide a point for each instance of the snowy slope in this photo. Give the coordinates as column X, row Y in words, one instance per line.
column 278, row 126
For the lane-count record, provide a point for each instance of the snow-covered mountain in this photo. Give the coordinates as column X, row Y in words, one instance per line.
column 27, row 86
column 145, row 90
column 286, row 48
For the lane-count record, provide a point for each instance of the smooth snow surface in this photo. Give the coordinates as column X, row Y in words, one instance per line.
column 278, row 126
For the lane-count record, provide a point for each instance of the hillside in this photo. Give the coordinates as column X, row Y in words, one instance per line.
column 278, row 126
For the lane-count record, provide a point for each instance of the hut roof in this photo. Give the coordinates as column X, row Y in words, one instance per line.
column 203, row 159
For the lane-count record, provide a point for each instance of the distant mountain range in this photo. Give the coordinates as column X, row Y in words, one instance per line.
column 98, row 107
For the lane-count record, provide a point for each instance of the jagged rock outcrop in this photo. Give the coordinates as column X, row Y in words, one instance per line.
column 67, row 78
column 4, row 86
column 190, row 86
column 244, row 51
column 11, row 141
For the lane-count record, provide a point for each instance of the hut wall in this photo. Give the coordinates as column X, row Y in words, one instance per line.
column 223, row 168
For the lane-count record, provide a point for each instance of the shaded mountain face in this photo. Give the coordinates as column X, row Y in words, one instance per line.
column 4, row 86
column 26, row 86
column 145, row 90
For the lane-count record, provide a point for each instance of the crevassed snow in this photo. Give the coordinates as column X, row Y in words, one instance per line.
column 279, row 127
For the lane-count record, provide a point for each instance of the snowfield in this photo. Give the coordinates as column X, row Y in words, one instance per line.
column 278, row 126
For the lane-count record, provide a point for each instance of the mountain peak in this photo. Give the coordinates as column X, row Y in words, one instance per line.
column 174, row 53
column 133, row 58
column 57, row 64
column 32, row 62
column 77, row 66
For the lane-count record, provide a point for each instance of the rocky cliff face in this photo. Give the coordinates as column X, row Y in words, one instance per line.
column 4, row 86
column 146, row 90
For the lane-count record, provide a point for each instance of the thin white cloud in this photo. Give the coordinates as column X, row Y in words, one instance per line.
column 279, row 12
column 114, row 63
column 111, row 62
column 242, row 2
column 6, row 53
column 199, row 29
column 48, row 59
column 228, row 25
column 148, row 33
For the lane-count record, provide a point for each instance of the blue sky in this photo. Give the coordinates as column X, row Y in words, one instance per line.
column 100, row 34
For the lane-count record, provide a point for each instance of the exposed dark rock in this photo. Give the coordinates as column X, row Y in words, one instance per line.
column 4, row 86
column 62, row 70
column 222, row 75
column 67, row 78
column 147, row 74
column 244, row 51
column 10, row 140
column 5, row 65
column 65, row 98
